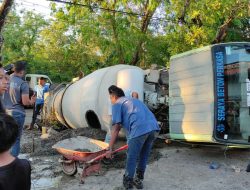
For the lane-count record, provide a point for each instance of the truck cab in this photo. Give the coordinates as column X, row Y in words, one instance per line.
column 210, row 94
column 32, row 79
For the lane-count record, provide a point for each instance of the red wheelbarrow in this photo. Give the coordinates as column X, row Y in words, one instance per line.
column 75, row 156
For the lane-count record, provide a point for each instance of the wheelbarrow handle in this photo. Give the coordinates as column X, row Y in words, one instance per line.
column 103, row 155
column 120, row 149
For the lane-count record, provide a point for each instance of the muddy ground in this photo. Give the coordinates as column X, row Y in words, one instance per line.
column 174, row 166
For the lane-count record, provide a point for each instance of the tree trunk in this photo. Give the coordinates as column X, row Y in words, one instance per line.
column 116, row 38
column 144, row 26
column 182, row 17
column 222, row 30
column 4, row 10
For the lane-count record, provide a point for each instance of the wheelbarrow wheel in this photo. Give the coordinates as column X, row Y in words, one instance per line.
column 69, row 168
column 106, row 161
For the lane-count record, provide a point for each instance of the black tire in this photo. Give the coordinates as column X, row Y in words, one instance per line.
column 69, row 169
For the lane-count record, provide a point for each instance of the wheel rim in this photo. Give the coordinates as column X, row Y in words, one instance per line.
column 69, row 168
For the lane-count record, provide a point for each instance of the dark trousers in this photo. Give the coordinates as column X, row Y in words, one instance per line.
column 138, row 152
column 36, row 111
column 19, row 118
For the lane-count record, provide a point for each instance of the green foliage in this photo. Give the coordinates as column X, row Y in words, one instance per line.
column 20, row 35
column 199, row 24
column 86, row 38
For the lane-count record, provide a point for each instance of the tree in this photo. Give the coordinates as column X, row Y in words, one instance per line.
column 85, row 35
column 4, row 10
column 148, row 10
column 117, row 30
column 198, row 23
column 20, row 36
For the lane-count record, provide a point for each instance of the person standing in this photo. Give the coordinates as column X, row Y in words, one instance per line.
column 14, row 172
column 16, row 98
column 3, row 86
column 39, row 91
column 3, row 81
column 141, row 127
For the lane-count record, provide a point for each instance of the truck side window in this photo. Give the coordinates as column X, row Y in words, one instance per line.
column 28, row 79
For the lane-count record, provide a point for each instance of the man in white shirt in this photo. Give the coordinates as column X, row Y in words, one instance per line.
column 39, row 91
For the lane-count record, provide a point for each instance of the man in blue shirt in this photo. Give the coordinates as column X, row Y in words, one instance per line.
column 39, row 90
column 128, row 94
column 15, row 98
column 141, row 127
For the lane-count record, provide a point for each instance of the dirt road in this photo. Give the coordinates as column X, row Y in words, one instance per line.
column 176, row 167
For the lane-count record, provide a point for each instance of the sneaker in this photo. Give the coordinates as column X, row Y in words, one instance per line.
column 138, row 183
column 127, row 182
column 140, row 174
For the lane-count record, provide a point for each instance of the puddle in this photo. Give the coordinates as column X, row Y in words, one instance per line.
column 24, row 156
column 45, row 183
column 45, row 173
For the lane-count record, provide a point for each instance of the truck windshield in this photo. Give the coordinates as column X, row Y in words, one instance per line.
column 232, row 92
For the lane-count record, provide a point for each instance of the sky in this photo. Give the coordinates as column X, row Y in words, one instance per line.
column 38, row 6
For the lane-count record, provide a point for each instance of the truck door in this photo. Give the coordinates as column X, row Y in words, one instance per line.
column 232, row 92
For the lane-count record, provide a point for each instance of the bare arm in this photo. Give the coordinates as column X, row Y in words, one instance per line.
column 115, row 131
column 114, row 134
column 27, row 101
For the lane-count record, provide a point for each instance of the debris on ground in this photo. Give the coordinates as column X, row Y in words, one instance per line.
column 36, row 146
column 236, row 169
column 214, row 165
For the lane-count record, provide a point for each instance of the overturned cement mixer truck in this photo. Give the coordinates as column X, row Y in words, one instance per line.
column 203, row 97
